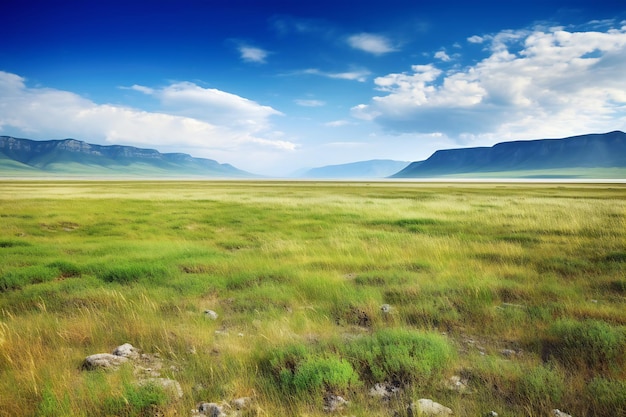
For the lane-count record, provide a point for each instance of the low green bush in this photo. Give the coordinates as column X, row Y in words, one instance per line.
column 607, row 397
column 131, row 272
column 588, row 344
column 18, row 278
column 541, row 387
column 137, row 401
column 302, row 371
column 399, row 356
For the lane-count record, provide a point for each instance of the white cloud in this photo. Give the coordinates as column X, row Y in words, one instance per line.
column 374, row 44
column 356, row 75
column 337, row 123
column 475, row 39
column 310, row 103
column 253, row 54
column 46, row 113
column 531, row 83
column 441, row 55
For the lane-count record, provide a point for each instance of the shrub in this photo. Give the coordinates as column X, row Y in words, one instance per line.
column 399, row 356
column 541, row 387
column 18, row 278
column 590, row 343
column 298, row 370
column 137, row 401
column 607, row 397
column 66, row 269
column 131, row 272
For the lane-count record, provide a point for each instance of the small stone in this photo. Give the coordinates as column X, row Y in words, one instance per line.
column 491, row 414
column 558, row 413
column 211, row 410
column 384, row 391
column 103, row 361
column 426, row 407
column 211, row 314
column 508, row 353
column 241, row 403
column 126, row 350
column 456, row 383
column 333, row 403
column 385, row 308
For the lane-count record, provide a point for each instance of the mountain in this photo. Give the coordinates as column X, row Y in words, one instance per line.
column 75, row 157
column 377, row 168
column 578, row 156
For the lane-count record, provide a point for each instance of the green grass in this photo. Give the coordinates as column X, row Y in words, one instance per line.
column 297, row 272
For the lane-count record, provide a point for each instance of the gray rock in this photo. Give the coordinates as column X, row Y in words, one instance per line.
column 126, row 350
column 241, row 403
column 103, row 361
column 170, row 386
column 458, row 384
column 384, row 391
column 211, row 410
column 491, row 414
column 558, row 413
column 211, row 314
column 426, row 407
column 385, row 308
column 334, row 403
column 508, row 353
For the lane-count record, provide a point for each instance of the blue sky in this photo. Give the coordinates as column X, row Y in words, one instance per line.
column 276, row 86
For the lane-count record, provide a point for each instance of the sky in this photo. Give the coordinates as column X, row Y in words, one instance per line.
column 277, row 86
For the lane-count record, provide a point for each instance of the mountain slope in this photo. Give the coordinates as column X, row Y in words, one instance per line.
column 561, row 157
column 377, row 168
column 74, row 157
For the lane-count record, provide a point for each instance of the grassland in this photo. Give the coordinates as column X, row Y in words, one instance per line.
column 518, row 289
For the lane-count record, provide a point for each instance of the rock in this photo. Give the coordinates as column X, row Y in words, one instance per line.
column 211, row 410
column 241, row 403
column 558, row 413
column 333, row 403
column 491, row 414
column 103, row 361
column 385, row 308
column 384, row 391
column 210, row 314
column 126, row 351
column 426, row 407
column 508, row 353
column 170, row 386
column 456, row 383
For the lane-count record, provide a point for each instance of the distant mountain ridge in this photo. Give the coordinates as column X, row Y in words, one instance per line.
column 607, row 150
column 376, row 168
column 75, row 157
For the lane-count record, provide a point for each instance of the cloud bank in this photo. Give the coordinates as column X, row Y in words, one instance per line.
column 532, row 83
column 194, row 117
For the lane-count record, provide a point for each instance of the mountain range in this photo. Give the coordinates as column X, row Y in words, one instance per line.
column 376, row 168
column 73, row 157
column 592, row 155
column 584, row 156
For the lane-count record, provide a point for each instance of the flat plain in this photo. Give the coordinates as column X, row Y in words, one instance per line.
column 481, row 296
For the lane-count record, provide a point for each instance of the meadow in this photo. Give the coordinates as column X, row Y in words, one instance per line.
column 515, row 291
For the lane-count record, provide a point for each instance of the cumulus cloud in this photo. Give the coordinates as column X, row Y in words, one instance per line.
column 310, row 103
column 359, row 75
column 532, row 82
column 44, row 113
column 253, row 54
column 337, row 123
column 443, row 56
column 372, row 43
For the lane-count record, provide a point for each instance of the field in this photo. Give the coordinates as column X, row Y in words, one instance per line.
column 503, row 297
